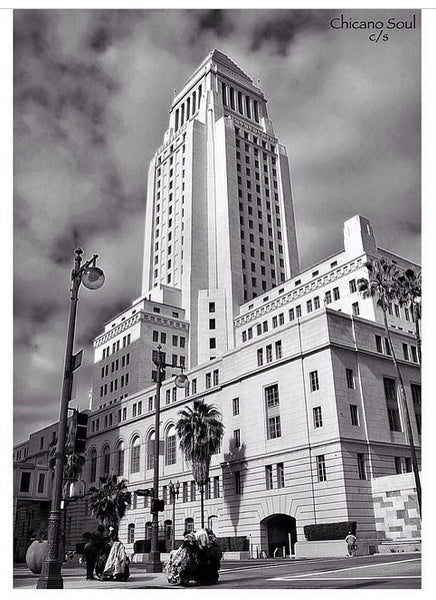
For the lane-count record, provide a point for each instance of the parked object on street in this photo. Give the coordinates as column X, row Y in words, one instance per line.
column 351, row 544
column 35, row 555
column 196, row 562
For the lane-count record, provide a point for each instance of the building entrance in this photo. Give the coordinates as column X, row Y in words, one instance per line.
column 281, row 530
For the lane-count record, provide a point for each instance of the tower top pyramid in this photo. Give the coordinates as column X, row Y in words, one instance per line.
column 225, row 61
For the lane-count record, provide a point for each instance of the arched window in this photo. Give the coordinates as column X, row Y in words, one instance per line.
column 212, row 522
column 189, row 524
column 93, row 465
column 168, row 529
column 131, row 533
column 120, row 458
column 148, row 530
column 150, row 451
column 170, row 446
column 135, row 462
column 106, row 460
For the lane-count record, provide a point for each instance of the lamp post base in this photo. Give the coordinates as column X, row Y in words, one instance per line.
column 154, row 563
column 50, row 578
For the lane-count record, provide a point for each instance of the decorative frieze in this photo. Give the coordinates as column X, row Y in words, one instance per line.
column 298, row 293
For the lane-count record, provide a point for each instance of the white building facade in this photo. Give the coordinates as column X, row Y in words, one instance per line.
column 297, row 362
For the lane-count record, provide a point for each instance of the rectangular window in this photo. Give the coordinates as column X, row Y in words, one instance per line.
column 275, row 322
column 392, row 404
column 238, row 485
column 317, row 417
column 387, row 346
column 291, row 314
column 354, row 414
column 309, row 306
column 274, row 427
column 316, row 302
column 408, row 461
column 328, row 297
column 414, row 354
column 314, row 381
column 170, row 450
column 41, row 481
column 336, row 294
column 194, row 386
column 208, row 380
column 298, row 311
column 185, row 491
column 355, row 309
column 378, row 343
column 216, row 378
column 320, row 468
column 269, row 477
column 278, row 347
column 361, row 466
column 272, row 395
column 235, row 403
column 268, row 353
column 212, row 324
column 353, row 287
column 216, row 487
column 398, row 466
column 192, row 491
column 167, row 396
column 280, row 475
column 350, row 378
column 405, row 352
column 237, row 438
column 416, row 397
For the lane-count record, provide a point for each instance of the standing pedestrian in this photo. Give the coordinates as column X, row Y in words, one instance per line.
column 92, row 549
column 351, row 544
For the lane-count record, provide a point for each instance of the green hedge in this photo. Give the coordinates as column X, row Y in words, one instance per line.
column 238, row 543
column 329, row 531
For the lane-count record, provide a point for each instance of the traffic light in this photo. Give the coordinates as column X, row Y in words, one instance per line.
column 157, row 505
column 81, row 431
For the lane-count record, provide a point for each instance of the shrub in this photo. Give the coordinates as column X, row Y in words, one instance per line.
column 329, row 531
column 238, row 543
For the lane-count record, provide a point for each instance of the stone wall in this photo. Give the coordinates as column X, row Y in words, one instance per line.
column 396, row 508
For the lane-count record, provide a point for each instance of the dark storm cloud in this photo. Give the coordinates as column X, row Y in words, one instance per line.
column 280, row 27
column 91, row 97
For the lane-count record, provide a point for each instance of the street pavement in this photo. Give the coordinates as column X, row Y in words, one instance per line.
column 382, row 571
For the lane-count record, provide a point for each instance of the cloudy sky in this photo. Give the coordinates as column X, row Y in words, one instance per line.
column 92, row 90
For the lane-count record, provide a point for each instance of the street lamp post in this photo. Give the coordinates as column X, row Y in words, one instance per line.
column 154, row 564
column 174, row 493
column 92, row 277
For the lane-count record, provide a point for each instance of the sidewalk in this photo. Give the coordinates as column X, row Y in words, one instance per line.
column 75, row 578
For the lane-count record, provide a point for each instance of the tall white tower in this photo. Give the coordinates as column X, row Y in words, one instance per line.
column 219, row 226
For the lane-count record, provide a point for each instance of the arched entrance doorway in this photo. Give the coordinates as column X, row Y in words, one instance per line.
column 280, row 529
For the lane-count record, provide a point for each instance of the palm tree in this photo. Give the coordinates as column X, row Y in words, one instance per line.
column 409, row 295
column 109, row 503
column 383, row 286
column 200, row 430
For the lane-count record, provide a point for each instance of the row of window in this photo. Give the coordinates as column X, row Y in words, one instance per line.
column 267, row 353
column 112, row 386
column 170, row 455
column 25, row 480
column 383, row 347
column 126, row 340
column 237, row 101
column 188, row 108
column 175, row 339
column 124, row 361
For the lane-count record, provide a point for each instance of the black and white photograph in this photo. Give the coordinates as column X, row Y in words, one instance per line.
column 217, row 333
